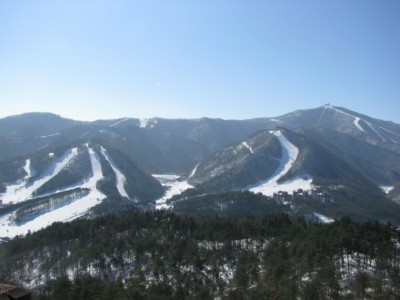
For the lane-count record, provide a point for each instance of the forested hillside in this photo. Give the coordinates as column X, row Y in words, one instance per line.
column 160, row 255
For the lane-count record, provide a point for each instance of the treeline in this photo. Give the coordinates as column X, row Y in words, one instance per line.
column 160, row 255
column 358, row 205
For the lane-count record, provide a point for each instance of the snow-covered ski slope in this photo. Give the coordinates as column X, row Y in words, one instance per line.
column 120, row 177
column 22, row 191
column 174, row 186
column 76, row 208
column 376, row 129
column 289, row 156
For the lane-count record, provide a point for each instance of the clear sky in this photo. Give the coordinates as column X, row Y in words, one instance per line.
column 186, row 59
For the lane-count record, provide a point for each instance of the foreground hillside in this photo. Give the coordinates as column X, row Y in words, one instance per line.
column 160, row 255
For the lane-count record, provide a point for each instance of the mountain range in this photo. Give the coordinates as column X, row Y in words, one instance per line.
column 57, row 169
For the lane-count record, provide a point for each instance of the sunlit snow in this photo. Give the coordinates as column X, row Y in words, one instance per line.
column 245, row 144
column 323, row 219
column 394, row 141
column 386, row 188
column 119, row 122
column 357, row 123
column 120, row 177
column 289, row 155
column 194, row 171
column 21, row 191
column 27, row 169
column 66, row 213
column 143, row 123
column 375, row 130
column 174, row 186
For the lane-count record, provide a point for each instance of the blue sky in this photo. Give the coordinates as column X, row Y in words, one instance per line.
column 186, row 59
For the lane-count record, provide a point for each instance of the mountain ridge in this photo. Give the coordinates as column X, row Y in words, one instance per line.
column 139, row 163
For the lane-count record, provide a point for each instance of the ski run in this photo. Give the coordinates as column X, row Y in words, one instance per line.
column 289, row 154
column 120, row 177
column 78, row 207
column 22, row 191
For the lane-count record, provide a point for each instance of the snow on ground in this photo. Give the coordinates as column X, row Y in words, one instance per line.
column 375, row 130
column 356, row 120
column 27, row 169
column 120, row 177
column 248, row 147
column 118, row 122
column 50, row 135
column 21, row 191
column 323, row 219
column 386, row 188
column 174, row 186
column 357, row 123
column 66, row 213
column 289, row 155
column 143, row 123
column 393, row 140
column 194, row 171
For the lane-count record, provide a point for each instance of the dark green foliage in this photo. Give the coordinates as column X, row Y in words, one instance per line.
column 232, row 204
column 356, row 204
column 159, row 255
column 113, row 204
column 11, row 172
column 350, row 202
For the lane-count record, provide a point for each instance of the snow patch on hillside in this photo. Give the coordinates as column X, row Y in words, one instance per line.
column 386, row 188
column 50, row 135
column 27, row 169
column 194, row 171
column 357, row 123
column 120, row 177
column 174, row 186
column 323, row 219
column 143, row 123
column 356, row 120
column 245, row 144
column 375, row 130
column 391, row 132
column 63, row 214
column 21, row 190
column 118, row 122
column 289, row 155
